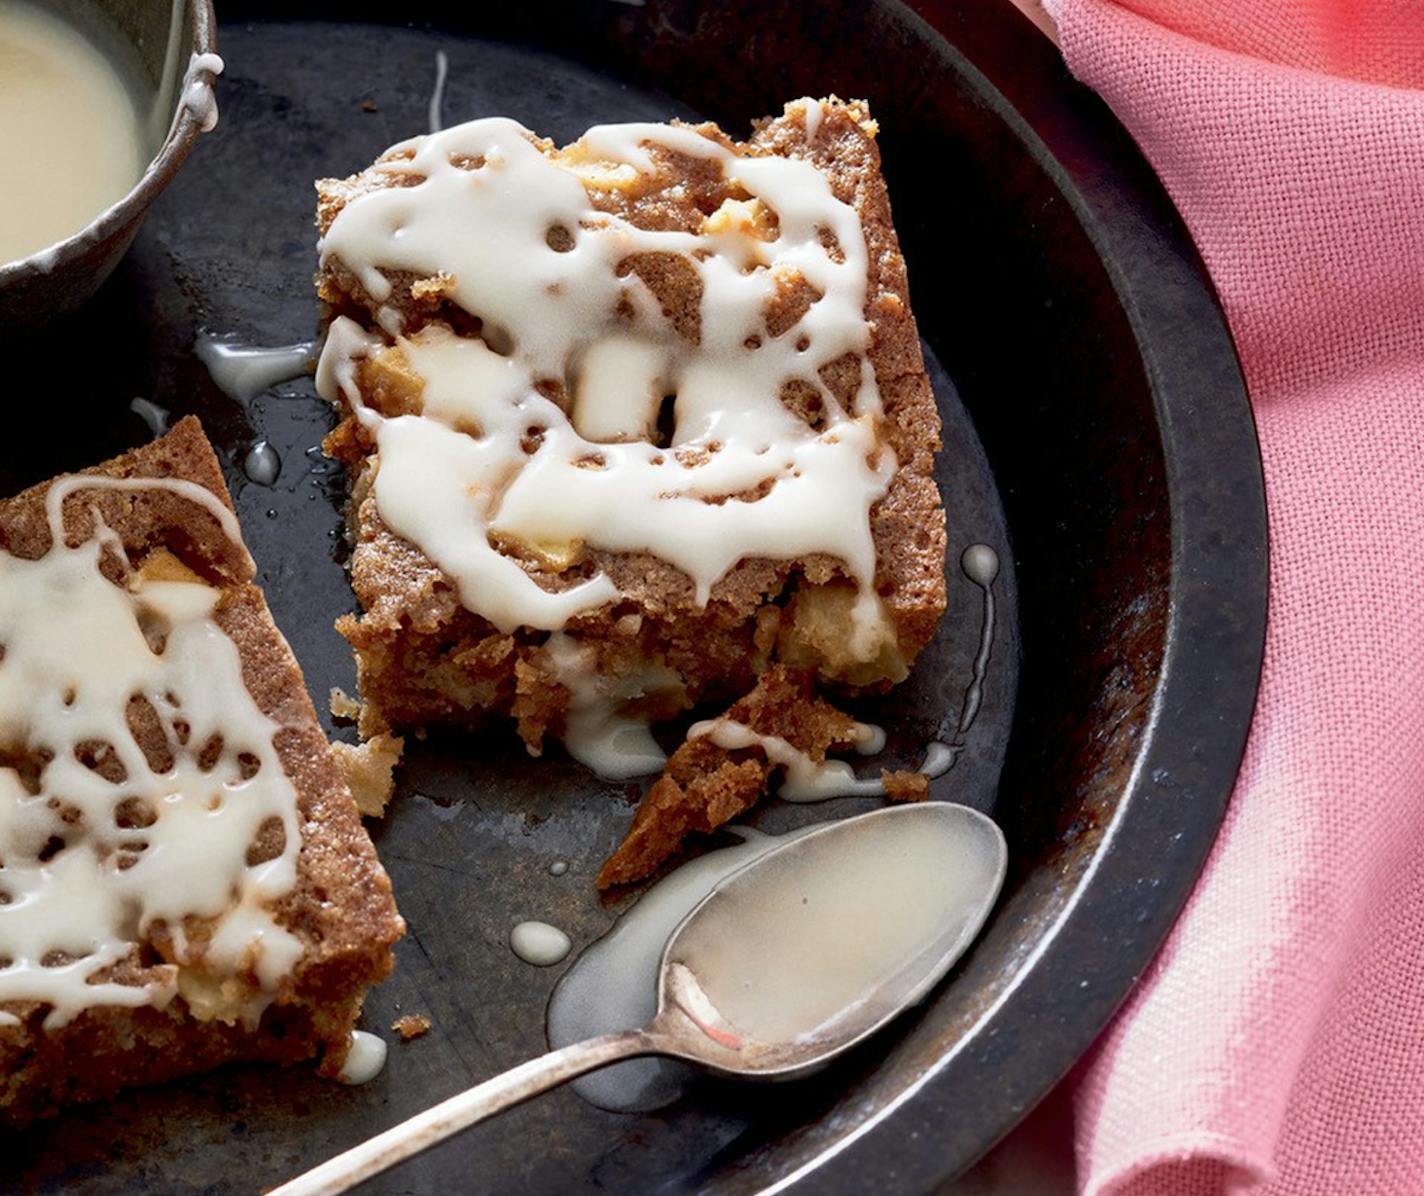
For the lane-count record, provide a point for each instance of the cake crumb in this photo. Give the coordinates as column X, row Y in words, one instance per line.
column 412, row 1025
column 905, row 786
column 434, row 288
column 342, row 704
column 368, row 105
column 705, row 785
column 369, row 770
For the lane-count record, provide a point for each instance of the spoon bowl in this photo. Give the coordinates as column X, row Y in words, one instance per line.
column 787, row 963
column 816, row 945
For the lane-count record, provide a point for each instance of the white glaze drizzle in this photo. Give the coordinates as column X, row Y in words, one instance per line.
column 437, row 93
column 981, row 565
column 869, row 739
column 805, row 779
column 598, row 734
column 199, row 98
column 154, row 416
column 812, row 118
column 75, row 655
column 940, row 758
column 456, row 473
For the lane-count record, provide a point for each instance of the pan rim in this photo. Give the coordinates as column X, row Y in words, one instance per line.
column 1205, row 419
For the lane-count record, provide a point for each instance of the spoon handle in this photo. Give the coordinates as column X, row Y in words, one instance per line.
column 465, row 1109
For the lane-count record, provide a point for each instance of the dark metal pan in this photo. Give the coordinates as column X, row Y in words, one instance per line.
column 1097, row 435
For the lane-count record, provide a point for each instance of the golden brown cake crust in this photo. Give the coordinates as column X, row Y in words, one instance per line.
column 145, row 520
column 341, row 907
column 422, row 658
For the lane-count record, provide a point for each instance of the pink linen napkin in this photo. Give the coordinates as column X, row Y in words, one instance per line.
column 1277, row 1043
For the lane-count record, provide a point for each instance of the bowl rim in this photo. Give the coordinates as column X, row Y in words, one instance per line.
column 177, row 145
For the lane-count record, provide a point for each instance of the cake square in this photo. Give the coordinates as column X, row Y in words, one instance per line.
column 184, row 878
column 628, row 424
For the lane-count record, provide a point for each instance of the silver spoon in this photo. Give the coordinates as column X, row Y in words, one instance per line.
column 786, row 964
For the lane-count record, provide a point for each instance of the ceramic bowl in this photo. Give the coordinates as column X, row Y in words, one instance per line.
column 169, row 36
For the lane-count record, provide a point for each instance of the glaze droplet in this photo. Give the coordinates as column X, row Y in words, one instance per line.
column 980, row 564
column 262, row 465
column 364, row 1060
column 539, row 943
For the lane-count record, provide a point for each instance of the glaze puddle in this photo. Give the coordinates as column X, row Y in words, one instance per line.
column 242, row 372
